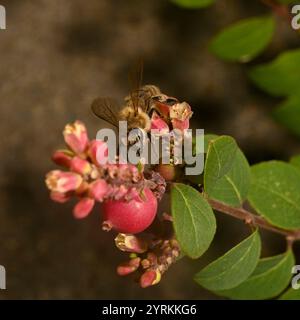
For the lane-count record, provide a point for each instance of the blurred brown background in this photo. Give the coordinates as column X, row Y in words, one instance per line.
column 56, row 56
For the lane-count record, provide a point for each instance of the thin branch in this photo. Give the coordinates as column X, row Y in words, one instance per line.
column 257, row 221
column 281, row 10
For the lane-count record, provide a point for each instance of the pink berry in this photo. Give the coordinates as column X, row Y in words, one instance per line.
column 132, row 216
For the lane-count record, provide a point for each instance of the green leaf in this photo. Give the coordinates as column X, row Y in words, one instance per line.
column 198, row 179
column 193, row 219
column 295, row 161
column 244, row 40
column 275, row 193
column 219, row 160
column 193, row 4
column 291, row 294
column 280, row 77
column 233, row 267
column 270, row 278
column 226, row 173
column 234, row 186
column 288, row 114
column 207, row 138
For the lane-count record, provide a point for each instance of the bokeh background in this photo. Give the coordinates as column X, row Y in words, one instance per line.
column 56, row 57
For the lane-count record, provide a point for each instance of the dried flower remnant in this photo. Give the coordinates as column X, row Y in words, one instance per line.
column 130, row 243
column 153, row 261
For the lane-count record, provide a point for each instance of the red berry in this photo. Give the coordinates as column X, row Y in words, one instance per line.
column 132, row 216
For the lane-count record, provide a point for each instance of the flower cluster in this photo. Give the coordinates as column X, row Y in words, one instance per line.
column 89, row 181
column 128, row 193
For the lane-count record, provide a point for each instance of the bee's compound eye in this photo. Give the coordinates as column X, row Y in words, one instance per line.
column 156, row 98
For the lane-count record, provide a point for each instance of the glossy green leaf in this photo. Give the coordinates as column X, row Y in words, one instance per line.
column 291, row 294
column 193, row 219
column 275, row 193
column 198, row 179
column 234, row 186
column 281, row 76
column 270, row 278
column 227, row 172
column 288, row 114
column 244, row 40
column 233, row 267
column 219, row 160
column 193, row 4
column 207, row 139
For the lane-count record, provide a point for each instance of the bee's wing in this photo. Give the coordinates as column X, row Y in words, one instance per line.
column 135, row 80
column 106, row 109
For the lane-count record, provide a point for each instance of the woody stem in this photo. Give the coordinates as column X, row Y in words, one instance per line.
column 279, row 9
column 253, row 219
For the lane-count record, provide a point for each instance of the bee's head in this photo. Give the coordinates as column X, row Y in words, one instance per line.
column 162, row 98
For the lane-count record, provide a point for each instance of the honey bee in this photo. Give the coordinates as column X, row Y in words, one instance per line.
column 137, row 110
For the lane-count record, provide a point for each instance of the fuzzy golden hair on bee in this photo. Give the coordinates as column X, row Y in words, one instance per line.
column 137, row 109
column 135, row 118
column 142, row 97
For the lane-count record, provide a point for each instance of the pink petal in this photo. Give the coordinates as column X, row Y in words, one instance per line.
column 83, row 208
column 80, row 166
column 98, row 152
column 99, row 189
column 62, row 158
column 76, row 137
column 59, row 197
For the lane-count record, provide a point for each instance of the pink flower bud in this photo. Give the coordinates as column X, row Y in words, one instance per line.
column 62, row 182
column 99, row 189
column 75, row 135
column 80, row 166
column 180, row 124
column 83, row 208
column 159, row 124
column 128, row 267
column 98, row 152
column 62, row 158
column 59, row 197
column 130, row 243
column 150, row 278
column 181, row 111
